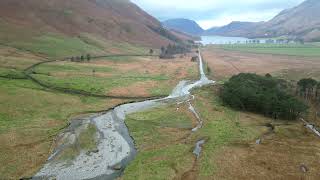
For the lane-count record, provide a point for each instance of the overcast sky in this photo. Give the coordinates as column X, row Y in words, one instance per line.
column 210, row 13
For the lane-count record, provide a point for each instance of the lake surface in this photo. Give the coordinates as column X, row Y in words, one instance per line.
column 223, row 40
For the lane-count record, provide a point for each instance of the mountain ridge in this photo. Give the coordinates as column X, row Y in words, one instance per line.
column 235, row 28
column 300, row 22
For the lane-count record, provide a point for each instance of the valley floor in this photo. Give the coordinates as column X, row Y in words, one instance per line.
column 239, row 145
column 225, row 63
column 32, row 115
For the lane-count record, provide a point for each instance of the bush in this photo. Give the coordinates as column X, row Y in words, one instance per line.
column 260, row 94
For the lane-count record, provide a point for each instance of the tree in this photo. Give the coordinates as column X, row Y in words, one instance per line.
column 88, row 57
column 318, row 92
column 194, row 59
column 162, row 49
column 151, row 51
column 268, row 75
column 173, row 49
column 306, row 87
column 82, row 58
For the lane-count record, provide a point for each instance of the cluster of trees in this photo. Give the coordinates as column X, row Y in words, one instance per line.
column 81, row 58
column 261, row 94
column 165, row 33
column 309, row 89
column 173, row 49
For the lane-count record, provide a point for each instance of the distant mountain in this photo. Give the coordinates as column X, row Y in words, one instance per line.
column 301, row 22
column 235, row 28
column 183, row 25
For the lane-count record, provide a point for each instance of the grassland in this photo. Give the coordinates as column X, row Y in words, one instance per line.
column 118, row 76
column 31, row 117
column 165, row 142
column 158, row 134
column 158, row 142
column 222, row 126
column 56, row 46
column 11, row 73
column 225, row 63
column 230, row 151
column 59, row 46
column 309, row 50
column 11, row 58
column 290, row 141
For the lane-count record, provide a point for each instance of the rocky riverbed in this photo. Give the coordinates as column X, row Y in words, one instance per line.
column 115, row 147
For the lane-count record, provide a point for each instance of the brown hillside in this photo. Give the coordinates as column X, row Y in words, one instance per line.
column 302, row 22
column 116, row 20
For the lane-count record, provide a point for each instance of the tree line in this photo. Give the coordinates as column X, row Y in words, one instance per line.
column 81, row 58
column 173, row 49
column 262, row 94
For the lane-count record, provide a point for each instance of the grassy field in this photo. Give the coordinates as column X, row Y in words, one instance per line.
column 11, row 73
column 221, row 127
column 31, row 117
column 226, row 63
column 56, row 46
column 280, row 49
column 157, row 133
column 118, row 76
column 11, row 58
column 165, row 142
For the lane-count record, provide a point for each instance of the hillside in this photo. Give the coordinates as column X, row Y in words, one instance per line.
column 235, row 28
column 183, row 25
column 302, row 21
column 184, row 36
column 96, row 24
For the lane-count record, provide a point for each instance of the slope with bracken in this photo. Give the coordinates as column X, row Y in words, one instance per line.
column 302, row 22
column 92, row 25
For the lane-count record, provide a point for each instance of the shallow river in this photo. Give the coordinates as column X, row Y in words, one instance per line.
column 115, row 145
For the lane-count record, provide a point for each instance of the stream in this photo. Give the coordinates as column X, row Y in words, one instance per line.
column 115, row 145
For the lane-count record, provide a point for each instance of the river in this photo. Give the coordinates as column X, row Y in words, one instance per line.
column 115, row 145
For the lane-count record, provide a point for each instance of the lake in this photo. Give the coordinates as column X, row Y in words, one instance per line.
column 222, row 40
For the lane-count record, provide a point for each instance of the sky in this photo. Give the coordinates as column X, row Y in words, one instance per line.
column 212, row 13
